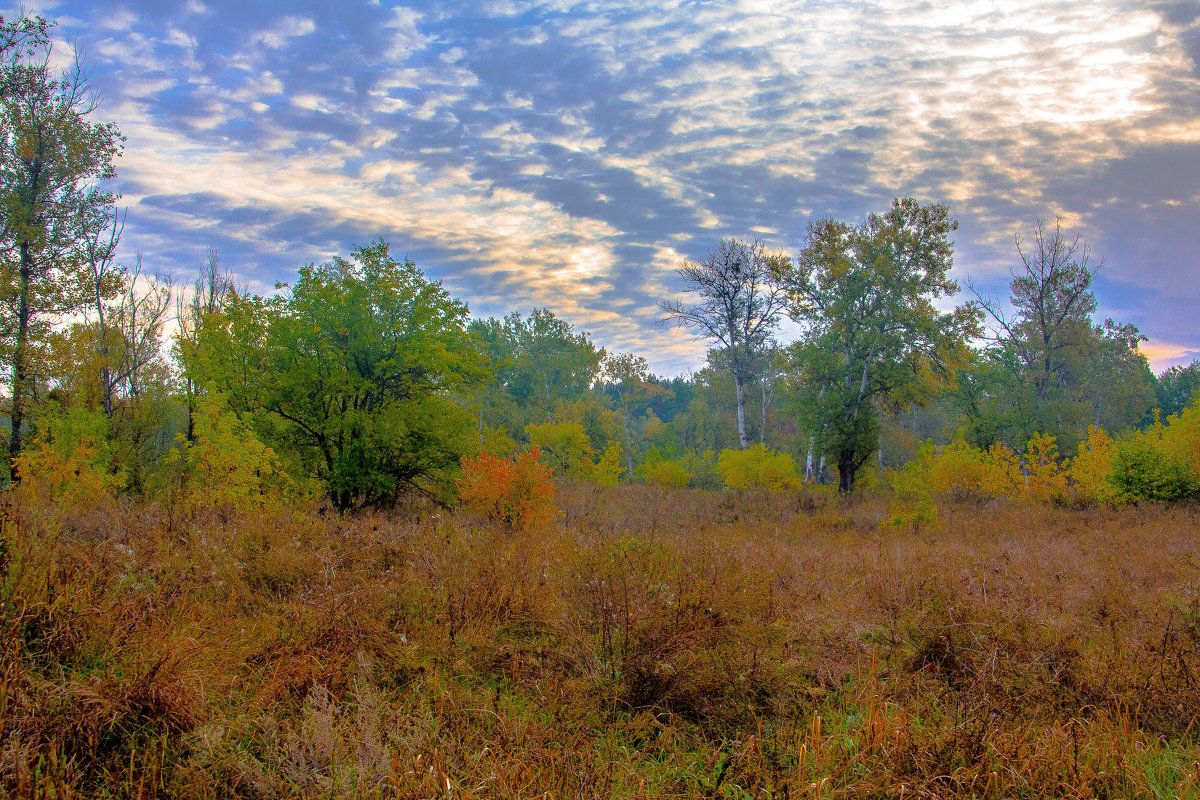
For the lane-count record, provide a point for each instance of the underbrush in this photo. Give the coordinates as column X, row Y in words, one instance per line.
column 650, row 642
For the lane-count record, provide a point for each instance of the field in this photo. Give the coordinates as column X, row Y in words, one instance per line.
column 650, row 643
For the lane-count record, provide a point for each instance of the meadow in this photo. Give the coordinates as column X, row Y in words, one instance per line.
column 648, row 643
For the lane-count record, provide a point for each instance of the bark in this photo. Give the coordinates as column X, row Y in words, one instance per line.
column 846, row 472
column 20, row 358
column 740, row 382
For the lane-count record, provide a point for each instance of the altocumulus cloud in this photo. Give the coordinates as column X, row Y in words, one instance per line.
column 568, row 154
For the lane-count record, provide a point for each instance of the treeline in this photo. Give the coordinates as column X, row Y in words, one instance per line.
column 364, row 380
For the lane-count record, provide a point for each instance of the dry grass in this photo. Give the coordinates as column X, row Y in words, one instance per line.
column 652, row 643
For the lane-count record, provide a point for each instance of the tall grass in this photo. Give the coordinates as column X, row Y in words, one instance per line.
column 649, row 643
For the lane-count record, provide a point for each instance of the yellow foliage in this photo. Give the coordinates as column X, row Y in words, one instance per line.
column 757, row 467
column 227, row 465
column 1090, row 469
column 69, row 462
column 608, row 468
column 1047, row 481
column 666, row 473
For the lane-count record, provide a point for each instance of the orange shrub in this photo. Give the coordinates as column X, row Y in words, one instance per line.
column 518, row 491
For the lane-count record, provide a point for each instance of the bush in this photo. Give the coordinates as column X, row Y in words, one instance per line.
column 226, row 465
column 659, row 471
column 1144, row 470
column 517, row 492
column 1089, row 470
column 757, row 467
column 70, row 459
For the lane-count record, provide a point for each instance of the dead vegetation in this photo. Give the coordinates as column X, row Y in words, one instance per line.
column 650, row 643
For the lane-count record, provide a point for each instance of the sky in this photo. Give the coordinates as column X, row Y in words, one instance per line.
column 569, row 155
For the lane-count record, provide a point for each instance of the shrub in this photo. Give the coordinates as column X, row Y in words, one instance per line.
column 1145, row 470
column 226, row 465
column 517, row 492
column 757, row 467
column 70, row 459
column 659, row 471
column 1047, row 481
column 608, row 468
column 1089, row 470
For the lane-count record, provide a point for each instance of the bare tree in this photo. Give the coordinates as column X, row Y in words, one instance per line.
column 1052, row 294
column 739, row 303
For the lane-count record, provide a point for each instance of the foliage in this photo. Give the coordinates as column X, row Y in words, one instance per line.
column 70, row 459
column 962, row 469
column 540, row 361
column 872, row 335
column 565, row 446
column 53, row 160
column 224, row 465
column 354, row 373
column 1090, row 468
column 1178, row 387
column 517, row 492
column 757, row 467
column 608, row 468
column 1159, row 464
column 658, row 471
column 1049, row 368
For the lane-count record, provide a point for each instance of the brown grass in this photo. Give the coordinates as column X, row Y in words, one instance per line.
column 652, row 643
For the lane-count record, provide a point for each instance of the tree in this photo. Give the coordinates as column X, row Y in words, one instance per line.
column 1065, row 371
column 740, row 300
column 873, row 338
column 212, row 290
column 541, row 362
column 1177, row 387
column 353, row 374
column 52, row 160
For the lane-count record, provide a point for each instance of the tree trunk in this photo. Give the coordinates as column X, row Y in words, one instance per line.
column 846, row 472
column 743, row 440
column 19, row 358
column 766, row 407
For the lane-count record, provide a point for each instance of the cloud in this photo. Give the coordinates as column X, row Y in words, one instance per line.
column 284, row 30
column 558, row 154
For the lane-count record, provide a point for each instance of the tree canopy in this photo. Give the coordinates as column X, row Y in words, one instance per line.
column 872, row 335
column 354, row 373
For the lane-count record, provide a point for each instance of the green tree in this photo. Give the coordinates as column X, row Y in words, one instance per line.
column 1177, row 387
column 872, row 337
column 53, row 159
column 540, row 362
column 354, row 373
column 1064, row 371
column 738, row 306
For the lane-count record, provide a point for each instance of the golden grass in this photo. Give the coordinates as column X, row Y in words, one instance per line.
column 651, row 643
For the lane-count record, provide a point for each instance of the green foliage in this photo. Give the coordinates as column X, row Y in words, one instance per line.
column 53, row 162
column 565, row 446
column 540, row 361
column 354, row 374
column 1178, row 387
column 873, row 336
column 757, row 467
column 1153, row 466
